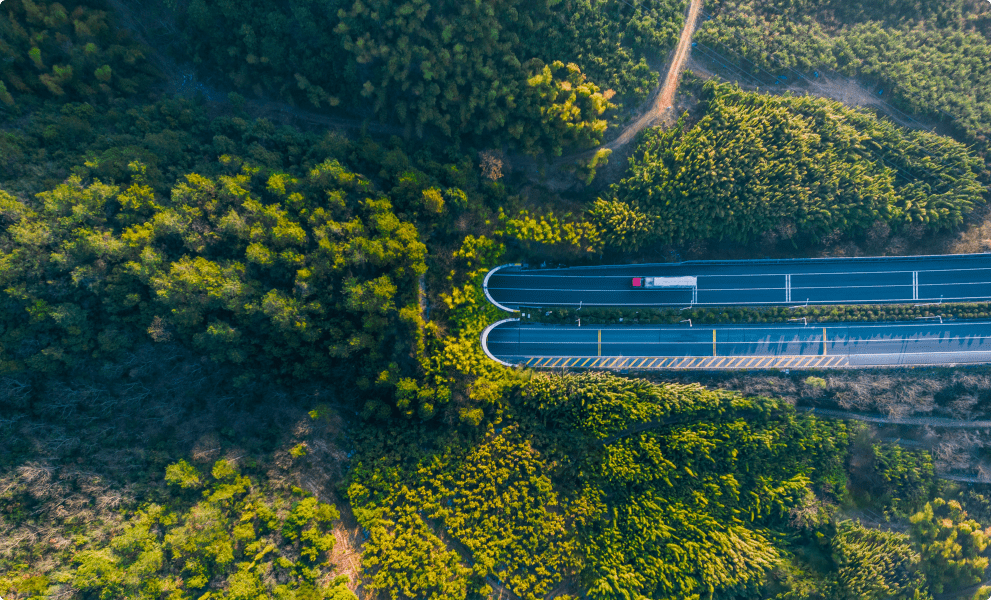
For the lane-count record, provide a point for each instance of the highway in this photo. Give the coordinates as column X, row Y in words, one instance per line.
column 739, row 346
column 917, row 279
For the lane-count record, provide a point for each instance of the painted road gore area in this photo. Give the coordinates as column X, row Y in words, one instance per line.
column 918, row 279
column 739, row 346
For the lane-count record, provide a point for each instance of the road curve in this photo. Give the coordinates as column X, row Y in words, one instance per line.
column 741, row 346
column 889, row 280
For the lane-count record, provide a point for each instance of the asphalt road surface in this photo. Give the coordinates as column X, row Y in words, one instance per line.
column 917, row 279
column 741, row 346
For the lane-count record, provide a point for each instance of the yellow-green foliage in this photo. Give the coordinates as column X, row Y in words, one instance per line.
column 634, row 489
column 533, row 231
column 586, row 169
column 623, row 224
column 518, row 530
column 404, row 556
column 496, row 501
column 237, row 539
column 684, row 481
column 952, row 545
column 455, row 358
column 876, row 565
column 241, row 266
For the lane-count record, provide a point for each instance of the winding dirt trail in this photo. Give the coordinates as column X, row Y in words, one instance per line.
column 661, row 107
column 183, row 81
column 664, row 100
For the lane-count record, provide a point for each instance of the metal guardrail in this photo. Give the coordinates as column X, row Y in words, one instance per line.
column 485, row 288
column 485, row 337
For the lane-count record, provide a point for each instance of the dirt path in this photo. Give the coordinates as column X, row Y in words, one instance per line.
column 940, row 422
column 664, row 100
column 661, row 103
column 849, row 92
column 182, row 80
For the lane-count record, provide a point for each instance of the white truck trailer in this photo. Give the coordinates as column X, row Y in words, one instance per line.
column 674, row 283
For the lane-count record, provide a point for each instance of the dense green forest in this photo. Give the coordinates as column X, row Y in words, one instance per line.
column 645, row 491
column 535, row 75
column 931, row 59
column 51, row 51
column 800, row 167
column 240, row 359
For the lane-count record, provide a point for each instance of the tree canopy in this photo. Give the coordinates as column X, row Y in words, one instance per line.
column 802, row 166
column 535, row 75
column 928, row 59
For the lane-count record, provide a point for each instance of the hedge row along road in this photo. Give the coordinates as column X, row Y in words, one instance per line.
column 893, row 280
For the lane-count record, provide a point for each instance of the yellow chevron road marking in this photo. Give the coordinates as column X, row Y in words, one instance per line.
column 687, row 362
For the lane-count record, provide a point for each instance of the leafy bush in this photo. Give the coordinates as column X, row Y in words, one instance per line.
column 952, row 545
column 876, row 565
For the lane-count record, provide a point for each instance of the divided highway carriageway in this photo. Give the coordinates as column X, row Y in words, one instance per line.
column 902, row 280
column 908, row 280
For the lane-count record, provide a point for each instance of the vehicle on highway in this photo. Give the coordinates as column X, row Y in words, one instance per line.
column 674, row 283
column 835, row 281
